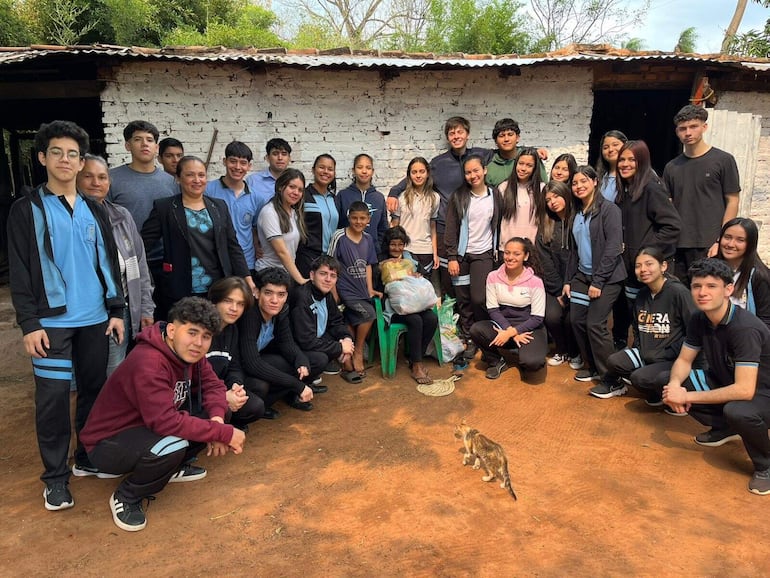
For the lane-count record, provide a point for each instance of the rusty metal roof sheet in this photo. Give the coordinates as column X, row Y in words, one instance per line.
column 369, row 59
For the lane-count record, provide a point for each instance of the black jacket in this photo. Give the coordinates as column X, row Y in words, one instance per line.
column 224, row 356
column 650, row 221
column 30, row 294
column 606, row 245
column 303, row 322
column 252, row 362
column 554, row 257
column 167, row 221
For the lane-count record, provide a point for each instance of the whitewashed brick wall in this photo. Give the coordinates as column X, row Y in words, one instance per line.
column 756, row 103
column 344, row 112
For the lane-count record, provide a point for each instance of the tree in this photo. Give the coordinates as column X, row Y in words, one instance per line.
column 751, row 43
column 687, row 39
column 735, row 22
column 476, row 27
column 316, row 36
column 409, row 23
column 133, row 22
column 14, row 31
column 63, row 22
column 252, row 27
column 361, row 24
column 633, row 44
column 561, row 22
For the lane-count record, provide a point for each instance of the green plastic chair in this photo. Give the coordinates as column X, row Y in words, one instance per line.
column 387, row 336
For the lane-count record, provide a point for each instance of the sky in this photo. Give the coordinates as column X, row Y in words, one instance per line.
column 667, row 18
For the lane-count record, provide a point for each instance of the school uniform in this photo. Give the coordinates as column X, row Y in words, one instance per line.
column 660, row 324
column 598, row 237
column 740, row 338
column 65, row 279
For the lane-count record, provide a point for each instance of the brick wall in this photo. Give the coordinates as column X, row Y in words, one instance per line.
column 756, row 103
column 344, row 112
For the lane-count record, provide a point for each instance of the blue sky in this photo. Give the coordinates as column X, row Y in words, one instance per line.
column 667, row 18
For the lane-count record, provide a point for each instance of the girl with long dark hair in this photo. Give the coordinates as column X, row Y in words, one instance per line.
column 595, row 271
column 738, row 248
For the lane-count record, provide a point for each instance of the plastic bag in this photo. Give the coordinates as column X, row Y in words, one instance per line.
column 451, row 344
column 410, row 295
column 395, row 270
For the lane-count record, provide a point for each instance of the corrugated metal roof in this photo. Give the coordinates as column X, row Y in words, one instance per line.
column 370, row 59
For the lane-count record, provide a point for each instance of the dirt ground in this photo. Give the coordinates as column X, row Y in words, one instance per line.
column 370, row 483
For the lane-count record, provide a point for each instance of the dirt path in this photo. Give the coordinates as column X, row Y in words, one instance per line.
column 370, row 483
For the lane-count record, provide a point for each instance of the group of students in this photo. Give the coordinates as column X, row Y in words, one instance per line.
column 252, row 271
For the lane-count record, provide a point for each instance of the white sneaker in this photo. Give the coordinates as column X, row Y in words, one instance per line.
column 557, row 359
column 576, row 363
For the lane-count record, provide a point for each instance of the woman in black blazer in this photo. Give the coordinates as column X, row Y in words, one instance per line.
column 199, row 242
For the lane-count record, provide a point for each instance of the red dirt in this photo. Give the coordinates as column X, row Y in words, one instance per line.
column 371, row 483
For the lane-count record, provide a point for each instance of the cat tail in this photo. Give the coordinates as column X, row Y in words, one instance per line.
column 509, row 487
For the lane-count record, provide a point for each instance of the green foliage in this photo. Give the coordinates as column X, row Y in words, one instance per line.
column 132, row 21
column 64, row 22
column 486, row 27
column 251, row 27
column 633, row 44
column 752, row 43
column 14, row 30
column 317, row 36
column 687, row 40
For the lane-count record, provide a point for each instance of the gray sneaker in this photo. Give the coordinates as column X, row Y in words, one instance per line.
column 494, row 371
column 606, row 390
column 586, row 375
column 576, row 363
column 760, row 483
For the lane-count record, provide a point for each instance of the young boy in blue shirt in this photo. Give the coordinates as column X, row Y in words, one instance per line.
column 67, row 294
column 354, row 248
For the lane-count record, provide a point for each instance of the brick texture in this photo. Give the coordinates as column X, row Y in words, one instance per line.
column 344, row 112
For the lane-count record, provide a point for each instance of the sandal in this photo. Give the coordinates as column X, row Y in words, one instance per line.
column 424, row 379
column 352, row 376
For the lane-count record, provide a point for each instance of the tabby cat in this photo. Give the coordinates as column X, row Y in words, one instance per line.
column 487, row 454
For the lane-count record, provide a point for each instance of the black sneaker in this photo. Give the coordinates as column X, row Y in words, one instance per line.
column 81, row 471
column 606, row 390
column 470, row 350
column 128, row 517
column 494, row 370
column 332, row 368
column 760, row 483
column 297, row 403
column 188, row 473
column 271, row 413
column 714, row 438
column 654, row 400
column 586, row 375
column 57, row 496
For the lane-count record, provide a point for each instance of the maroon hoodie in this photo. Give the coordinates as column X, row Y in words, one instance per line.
column 148, row 390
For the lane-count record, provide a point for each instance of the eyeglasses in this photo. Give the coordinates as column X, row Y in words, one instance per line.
column 58, row 153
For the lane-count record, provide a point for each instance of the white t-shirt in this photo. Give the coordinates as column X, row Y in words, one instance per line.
column 522, row 226
column 480, row 211
column 416, row 221
column 268, row 228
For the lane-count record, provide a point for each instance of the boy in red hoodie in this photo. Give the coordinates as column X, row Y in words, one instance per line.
column 159, row 408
